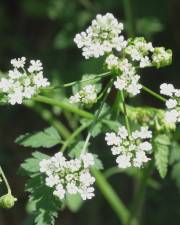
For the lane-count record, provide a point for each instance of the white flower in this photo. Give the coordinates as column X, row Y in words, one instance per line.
column 5, row 84
column 145, row 62
column 122, row 132
column 128, row 148
column 123, row 161
column 112, row 139
column 145, row 146
column 161, row 57
column 88, row 95
column 171, row 116
column 72, row 188
column 20, row 84
column 101, row 37
column 69, row 176
column 171, row 103
column 167, row 89
column 40, row 81
column 75, row 98
column 59, row 191
column 18, row 63
column 88, row 160
column 36, row 66
column 120, row 83
column 128, row 80
column 15, row 97
column 111, row 61
column 52, row 180
column 140, row 158
column 87, row 193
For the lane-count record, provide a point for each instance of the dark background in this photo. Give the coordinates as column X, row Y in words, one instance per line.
column 44, row 29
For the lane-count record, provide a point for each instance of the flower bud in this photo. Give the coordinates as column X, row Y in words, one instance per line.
column 7, row 201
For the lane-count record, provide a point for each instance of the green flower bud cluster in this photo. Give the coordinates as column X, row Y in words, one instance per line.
column 7, row 201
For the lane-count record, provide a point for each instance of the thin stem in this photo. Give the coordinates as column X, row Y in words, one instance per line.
column 125, row 114
column 112, row 171
column 107, row 91
column 116, row 108
column 153, row 93
column 111, row 196
column 5, row 180
column 64, row 105
column 129, row 17
column 98, row 76
column 140, row 195
column 49, row 118
column 73, row 136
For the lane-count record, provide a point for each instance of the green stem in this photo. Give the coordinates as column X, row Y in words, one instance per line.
column 112, row 171
column 65, row 106
column 116, row 108
column 140, row 195
column 129, row 17
column 48, row 117
column 153, row 93
column 111, row 196
column 73, row 136
column 107, row 91
column 5, row 180
column 125, row 114
column 98, row 76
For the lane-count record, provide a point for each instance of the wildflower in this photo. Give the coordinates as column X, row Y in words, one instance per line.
column 161, row 57
column 23, row 83
column 101, row 37
column 172, row 115
column 130, row 150
column 88, row 95
column 69, row 176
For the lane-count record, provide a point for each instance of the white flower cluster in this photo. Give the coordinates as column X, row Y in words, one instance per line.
column 21, row 83
column 130, row 151
column 128, row 80
column 138, row 49
column 161, row 57
column 101, row 37
column 69, row 176
column 172, row 116
column 88, row 95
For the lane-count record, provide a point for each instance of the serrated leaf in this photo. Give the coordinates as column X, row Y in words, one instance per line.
column 75, row 152
column 47, row 139
column 74, row 202
column 111, row 125
column 161, row 144
column 176, row 174
column 96, row 129
column 46, row 205
column 31, row 165
column 174, row 153
column 98, row 163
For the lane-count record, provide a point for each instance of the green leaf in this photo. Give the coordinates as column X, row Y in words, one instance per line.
column 161, row 144
column 31, row 165
column 111, row 125
column 47, row 139
column 98, row 163
column 76, row 151
column 46, row 205
column 96, row 129
column 74, row 202
column 176, row 174
column 174, row 153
